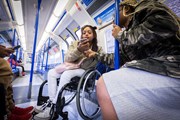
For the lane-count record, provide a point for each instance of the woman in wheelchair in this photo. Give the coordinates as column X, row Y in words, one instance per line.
column 76, row 55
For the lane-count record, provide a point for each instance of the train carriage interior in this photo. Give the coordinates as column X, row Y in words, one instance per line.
column 45, row 29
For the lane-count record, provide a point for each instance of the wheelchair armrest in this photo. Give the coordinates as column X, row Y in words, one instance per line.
column 41, row 88
column 42, row 99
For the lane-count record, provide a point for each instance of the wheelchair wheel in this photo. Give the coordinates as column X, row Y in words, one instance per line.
column 65, row 96
column 42, row 99
column 86, row 91
column 68, row 93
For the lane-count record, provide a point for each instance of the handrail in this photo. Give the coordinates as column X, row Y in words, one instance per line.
column 109, row 23
column 47, row 55
column 43, row 56
column 116, row 50
column 10, row 10
column 34, row 49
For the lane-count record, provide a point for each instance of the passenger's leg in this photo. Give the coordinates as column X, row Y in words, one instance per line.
column 138, row 94
column 108, row 111
column 52, row 83
column 20, row 70
column 66, row 77
column 23, row 71
column 52, row 90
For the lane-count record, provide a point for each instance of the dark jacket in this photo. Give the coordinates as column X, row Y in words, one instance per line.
column 152, row 40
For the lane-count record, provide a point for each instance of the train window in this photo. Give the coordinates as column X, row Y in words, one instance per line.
column 51, row 59
column 57, row 57
column 78, row 33
column 2, row 40
column 69, row 40
column 64, row 46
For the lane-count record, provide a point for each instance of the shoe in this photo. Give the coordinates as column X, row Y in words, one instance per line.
column 45, row 115
column 23, row 73
column 41, row 108
column 19, row 117
column 22, row 111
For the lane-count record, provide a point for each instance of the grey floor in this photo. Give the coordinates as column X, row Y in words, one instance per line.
column 21, row 90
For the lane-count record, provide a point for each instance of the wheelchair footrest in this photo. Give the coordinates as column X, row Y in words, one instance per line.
column 59, row 108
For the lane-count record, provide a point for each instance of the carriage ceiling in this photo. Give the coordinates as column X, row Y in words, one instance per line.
column 29, row 8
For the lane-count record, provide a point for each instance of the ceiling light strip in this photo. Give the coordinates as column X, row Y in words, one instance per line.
column 10, row 10
column 59, row 20
column 45, row 34
column 17, row 9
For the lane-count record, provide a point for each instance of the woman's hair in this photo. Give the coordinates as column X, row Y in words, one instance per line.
column 132, row 3
column 128, row 3
column 94, row 41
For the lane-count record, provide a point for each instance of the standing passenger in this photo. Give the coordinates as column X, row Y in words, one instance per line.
column 147, row 87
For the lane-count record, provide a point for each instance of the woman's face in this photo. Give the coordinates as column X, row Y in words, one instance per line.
column 88, row 34
column 122, row 18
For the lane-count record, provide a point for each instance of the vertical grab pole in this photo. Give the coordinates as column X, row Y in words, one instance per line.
column 17, row 51
column 37, row 59
column 40, row 59
column 62, row 55
column 47, row 55
column 39, row 67
column 14, row 38
column 34, row 48
column 20, row 54
column 43, row 57
column 116, row 49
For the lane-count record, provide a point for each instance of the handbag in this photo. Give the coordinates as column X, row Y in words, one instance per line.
column 68, row 66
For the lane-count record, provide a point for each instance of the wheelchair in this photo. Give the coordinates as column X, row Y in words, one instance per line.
column 82, row 88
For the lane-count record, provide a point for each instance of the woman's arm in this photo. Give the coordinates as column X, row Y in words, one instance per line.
column 76, row 51
column 107, row 59
column 155, row 25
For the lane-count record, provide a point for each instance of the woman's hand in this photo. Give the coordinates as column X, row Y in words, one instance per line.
column 89, row 53
column 4, row 52
column 116, row 29
column 83, row 46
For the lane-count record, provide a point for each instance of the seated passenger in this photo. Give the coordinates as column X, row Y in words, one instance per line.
column 147, row 87
column 75, row 55
column 13, row 112
column 13, row 60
